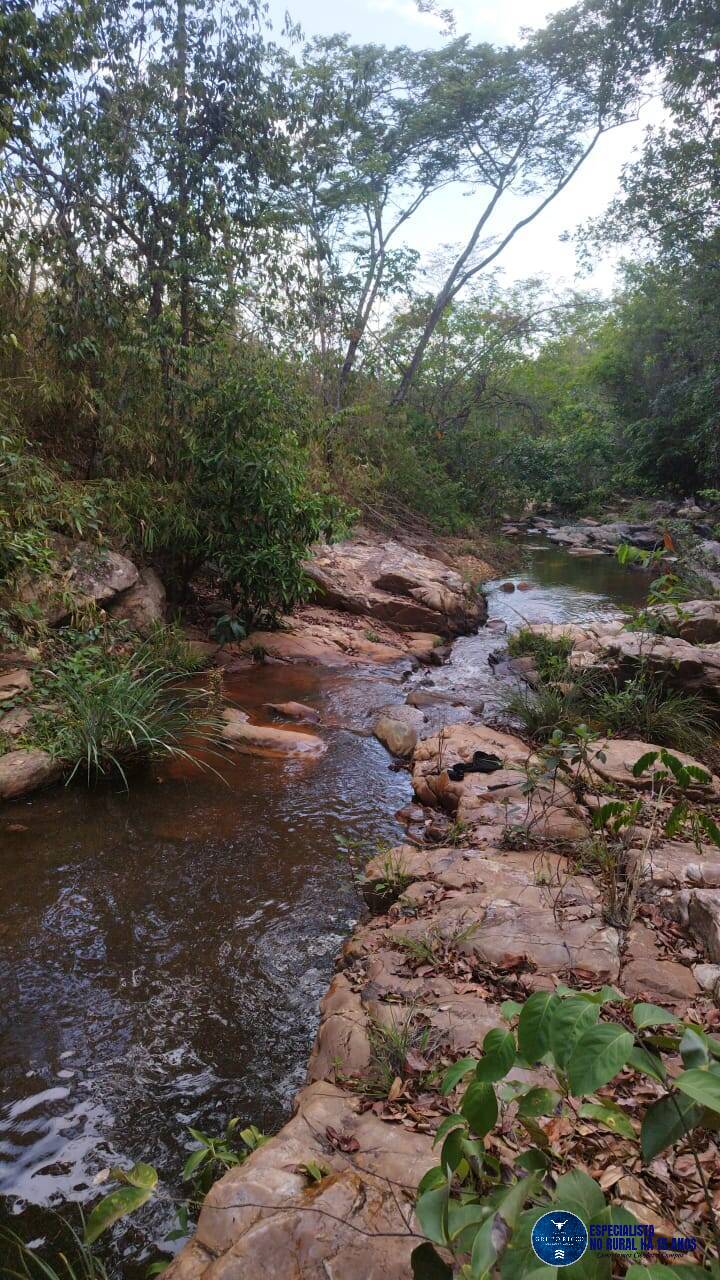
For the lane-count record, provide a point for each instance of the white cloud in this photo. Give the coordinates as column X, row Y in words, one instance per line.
column 407, row 11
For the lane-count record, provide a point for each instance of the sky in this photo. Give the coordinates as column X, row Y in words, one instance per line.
column 448, row 216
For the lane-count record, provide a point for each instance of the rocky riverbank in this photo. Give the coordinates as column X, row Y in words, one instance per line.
column 376, row 602
column 494, row 894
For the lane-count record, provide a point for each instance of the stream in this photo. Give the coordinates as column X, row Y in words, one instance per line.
column 163, row 952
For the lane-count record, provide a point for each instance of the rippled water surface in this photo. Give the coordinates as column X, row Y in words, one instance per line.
column 163, row 952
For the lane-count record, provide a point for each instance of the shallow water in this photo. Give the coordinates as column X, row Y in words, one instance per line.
column 163, row 952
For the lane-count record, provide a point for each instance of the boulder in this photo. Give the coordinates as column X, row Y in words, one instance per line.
column 380, row 578
column 13, row 683
column 295, row 711
column 86, row 574
column 24, row 771
column 258, row 739
column 613, row 760
column 399, row 738
column 143, row 605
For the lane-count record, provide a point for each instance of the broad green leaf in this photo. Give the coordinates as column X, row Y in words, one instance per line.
column 701, row 1086
column 694, row 1049
column 453, row 1121
column 433, row 1178
column 533, row 1160
column 479, row 1106
column 455, row 1073
column 648, row 1063
column 519, row 1261
column 452, row 1152
column 141, row 1175
column 428, row 1265
column 580, row 1193
column 570, row 1019
column 510, row 1009
column 665, row 1121
column 534, row 1024
column 651, row 1015
column 538, row 1101
column 597, row 1057
column 612, row 1118
column 112, row 1208
column 498, row 1055
column 431, row 1212
column 494, row 1236
column 462, row 1216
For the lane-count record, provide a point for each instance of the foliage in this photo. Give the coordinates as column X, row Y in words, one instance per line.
column 476, row 1208
column 77, row 1262
column 215, row 1155
column 549, row 653
column 109, row 710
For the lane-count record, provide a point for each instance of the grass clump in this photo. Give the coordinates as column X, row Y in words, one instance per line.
column 641, row 707
column 549, row 653
column 103, row 711
column 391, row 1045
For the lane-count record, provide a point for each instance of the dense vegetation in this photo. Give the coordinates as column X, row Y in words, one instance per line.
column 216, row 343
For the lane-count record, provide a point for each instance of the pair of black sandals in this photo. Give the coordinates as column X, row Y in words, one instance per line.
column 481, row 762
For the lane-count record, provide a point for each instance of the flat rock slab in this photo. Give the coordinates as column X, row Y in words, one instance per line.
column 650, row 974
column 13, row 683
column 614, row 759
column 256, row 739
column 328, row 637
column 676, row 864
column 24, row 771
column 265, row 1218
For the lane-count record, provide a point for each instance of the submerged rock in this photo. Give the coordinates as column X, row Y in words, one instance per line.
column 258, row 739
column 295, row 711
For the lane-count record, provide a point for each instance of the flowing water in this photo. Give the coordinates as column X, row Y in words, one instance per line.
column 163, row 952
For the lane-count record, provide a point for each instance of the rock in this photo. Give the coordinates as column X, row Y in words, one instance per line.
column 14, row 723
column 14, row 682
column 327, row 637
column 256, row 739
column 380, row 578
column 707, row 977
column 507, row 587
column 399, row 738
column 295, row 711
column 24, row 771
column 646, row 972
column 703, row 910
column 143, row 605
column 697, row 621
column 265, row 1217
column 89, row 574
column 675, row 864
column 614, row 758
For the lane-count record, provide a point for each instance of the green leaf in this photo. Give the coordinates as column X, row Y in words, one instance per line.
column 112, row 1208
column 533, row 1160
column 433, row 1178
column 710, row 827
column 452, row 1152
column 453, row 1121
column 479, row 1106
column 597, row 1057
column 494, row 1236
column 510, row 1009
column 665, row 1121
column 611, row 1117
column 534, row 1024
column 498, row 1055
column 580, row 1193
column 455, row 1073
column 431, row 1210
column 701, row 1086
column 651, row 1015
column 428, row 1265
column 194, row 1161
column 648, row 1063
column 539, row 1102
column 694, row 1049
column 141, row 1175
column 520, row 1262
column 644, row 762
column 571, row 1018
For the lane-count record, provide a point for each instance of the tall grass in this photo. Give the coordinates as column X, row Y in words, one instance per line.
column 108, row 711
column 642, row 707
column 20, row 1262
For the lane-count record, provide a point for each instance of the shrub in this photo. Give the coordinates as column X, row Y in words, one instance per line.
column 549, row 653
column 473, row 1202
column 110, row 710
column 647, row 709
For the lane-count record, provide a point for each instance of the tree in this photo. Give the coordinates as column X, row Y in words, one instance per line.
column 520, row 121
